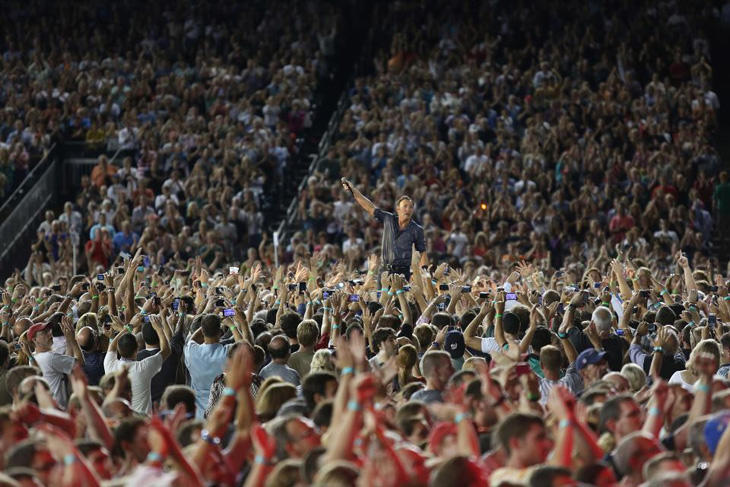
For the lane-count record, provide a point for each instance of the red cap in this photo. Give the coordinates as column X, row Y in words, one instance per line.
column 38, row 327
column 438, row 433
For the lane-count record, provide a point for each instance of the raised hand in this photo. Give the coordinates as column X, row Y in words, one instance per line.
column 239, row 372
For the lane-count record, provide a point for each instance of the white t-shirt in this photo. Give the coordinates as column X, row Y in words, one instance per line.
column 140, row 377
column 55, row 368
column 490, row 345
column 59, row 345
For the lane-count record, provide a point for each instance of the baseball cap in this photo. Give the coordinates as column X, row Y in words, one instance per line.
column 714, row 429
column 589, row 356
column 37, row 328
column 454, row 343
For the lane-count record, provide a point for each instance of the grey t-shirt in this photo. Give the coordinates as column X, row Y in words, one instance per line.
column 428, row 396
column 286, row 373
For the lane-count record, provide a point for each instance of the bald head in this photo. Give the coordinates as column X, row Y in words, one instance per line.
column 86, row 338
column 279, row 347
column 603, row 318
column 619, row 382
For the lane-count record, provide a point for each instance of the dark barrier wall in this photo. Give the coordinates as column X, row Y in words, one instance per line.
column 18, row 229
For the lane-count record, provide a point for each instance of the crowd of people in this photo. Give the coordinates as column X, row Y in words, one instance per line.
column 208, row 99
column 564, row 319
column 542, row 143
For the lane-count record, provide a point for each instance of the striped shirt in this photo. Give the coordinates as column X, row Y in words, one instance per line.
column 572, row 380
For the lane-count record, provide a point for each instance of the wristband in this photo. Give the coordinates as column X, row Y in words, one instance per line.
column 142, row 312
column 383, row 290
column 390, row 293
column 129, row 329
column 726, row 298
column 399, row 292
column 460, row 417
column 498, row 315
column 94, row 296
column 658, row 349
column 13, row 300
column 654, row 411
column 562, row 335
column 691, row 324
column 261, row 460
column 39, row 300
column 533, row 396
column 325, row 308
column 208, row 438
column 703, row 388
column 153, row 456
column 335, row 327
column 232, row 327
column 436, row 345
column 347, row 370
column 662, row 293
column 69, row 459
column 229, row 391
column 606, row 304
column 564, row 423
column 354, row 406
column 277, row 302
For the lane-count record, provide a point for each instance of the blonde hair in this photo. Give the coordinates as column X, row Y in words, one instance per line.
column 286, row 473
column 708, row 346
column 268, row 403
column 88, row 319
column 635, row 375
column 336, row 474
column 322, row 362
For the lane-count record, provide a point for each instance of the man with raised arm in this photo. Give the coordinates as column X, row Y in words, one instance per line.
column 400, row 233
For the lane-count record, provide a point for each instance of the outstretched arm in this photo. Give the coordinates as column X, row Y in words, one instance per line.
column 361, row 200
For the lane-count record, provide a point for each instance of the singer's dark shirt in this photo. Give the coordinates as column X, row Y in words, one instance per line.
column 404, row 239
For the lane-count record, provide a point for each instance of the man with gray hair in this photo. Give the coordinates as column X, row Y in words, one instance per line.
column 598, row 333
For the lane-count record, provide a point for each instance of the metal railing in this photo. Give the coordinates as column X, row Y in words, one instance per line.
column 324, row 144
column 18, row 227
column 24, row 185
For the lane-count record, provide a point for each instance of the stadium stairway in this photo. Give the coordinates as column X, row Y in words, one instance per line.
column 329, row 94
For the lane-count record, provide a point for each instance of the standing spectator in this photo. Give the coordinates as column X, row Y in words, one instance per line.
column 142, row 371
column 279, row 352
column 205, row 357
column 102, row 172
column 55, row 366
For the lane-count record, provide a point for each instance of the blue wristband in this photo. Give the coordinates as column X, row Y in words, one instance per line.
column 354, row 406
column 347, row 370
column 69, row 459
column 703, row 388
column 153, row 456
column 460, row 417
column 229, row 391
column 564, row 423
column 260, row 460
column 399, row 292
column 654, row 411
